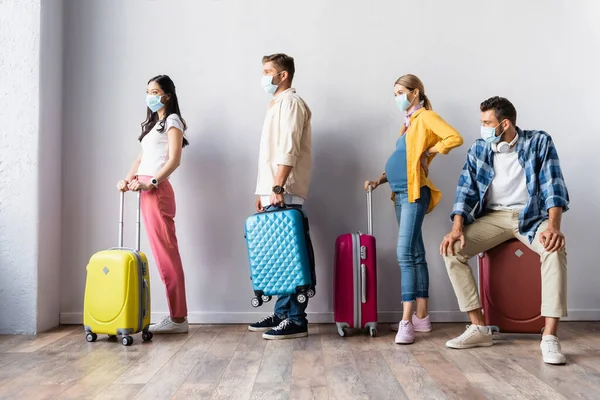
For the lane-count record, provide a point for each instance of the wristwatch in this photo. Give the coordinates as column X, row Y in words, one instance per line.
column 154, row 182
column 278, row 189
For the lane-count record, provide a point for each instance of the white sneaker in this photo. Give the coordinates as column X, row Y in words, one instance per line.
column 474, row 336
column 166, row 325
column 421, row 325
column 551, row 350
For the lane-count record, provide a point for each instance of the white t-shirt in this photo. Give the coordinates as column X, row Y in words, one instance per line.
column 155, row 147
column 508, row 190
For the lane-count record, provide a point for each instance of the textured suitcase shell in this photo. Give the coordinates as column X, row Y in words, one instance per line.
column 278, row 254
column 511, row 288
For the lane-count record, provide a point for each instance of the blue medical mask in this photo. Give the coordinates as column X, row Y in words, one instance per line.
column 153, row 102
column 489, row 134
column 267, row 83
column 402, row 102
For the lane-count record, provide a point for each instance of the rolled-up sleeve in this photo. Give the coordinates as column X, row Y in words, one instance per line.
column 291, row 125
column 449, row 137
column 552, row 184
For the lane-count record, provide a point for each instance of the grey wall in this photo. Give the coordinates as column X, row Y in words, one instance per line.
column 50, row 173
column 538, row 53
column 30, row 167
column 19, row 133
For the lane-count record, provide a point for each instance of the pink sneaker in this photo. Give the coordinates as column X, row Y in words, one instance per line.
column 406, row 333
column 421, row 325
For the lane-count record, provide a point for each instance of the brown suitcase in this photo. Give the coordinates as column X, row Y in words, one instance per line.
column 510, row 286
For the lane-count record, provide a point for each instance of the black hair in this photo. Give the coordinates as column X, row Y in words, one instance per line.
column 503, row 109
column 171, row 107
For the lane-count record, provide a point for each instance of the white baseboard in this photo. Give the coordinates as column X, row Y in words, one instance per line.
column 76, row 318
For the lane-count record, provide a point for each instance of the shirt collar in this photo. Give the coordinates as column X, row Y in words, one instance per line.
column 520, row 140
column 413, row 114
column 279, row 96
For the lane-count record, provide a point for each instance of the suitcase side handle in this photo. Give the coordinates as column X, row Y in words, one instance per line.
column 363, row 281
column 370, row 210
column 138, row 225
column 146, row 298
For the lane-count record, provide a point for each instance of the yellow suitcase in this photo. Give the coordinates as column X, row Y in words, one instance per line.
column 117, row 290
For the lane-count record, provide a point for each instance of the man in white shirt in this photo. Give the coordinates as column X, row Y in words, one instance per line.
column 284, row 172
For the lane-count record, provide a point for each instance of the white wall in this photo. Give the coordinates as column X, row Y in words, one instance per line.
column 50, row 172
column 540, row 54
column 19, row 116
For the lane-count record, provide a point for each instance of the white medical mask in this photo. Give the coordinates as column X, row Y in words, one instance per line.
column 153, row 102
column 489, row 134
column 402, row 102
column 267, row 83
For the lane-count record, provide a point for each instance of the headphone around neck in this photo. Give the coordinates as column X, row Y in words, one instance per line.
column 504, row 147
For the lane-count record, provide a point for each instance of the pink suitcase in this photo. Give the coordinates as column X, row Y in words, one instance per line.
column 510, row 284
column 355, row 280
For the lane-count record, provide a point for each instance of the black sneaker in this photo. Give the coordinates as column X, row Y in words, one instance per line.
column 287, row 330
column 265, row 324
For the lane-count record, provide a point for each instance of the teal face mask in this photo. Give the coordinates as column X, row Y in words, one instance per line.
column 153, row 102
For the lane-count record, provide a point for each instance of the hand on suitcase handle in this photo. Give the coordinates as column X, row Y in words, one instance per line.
column 122, row 185
column 135, row 186
column 371, row 184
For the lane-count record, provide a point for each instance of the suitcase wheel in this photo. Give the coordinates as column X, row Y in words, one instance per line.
column 301, row 298
column 256, row 302
column 266, row 299
column 372, row 332
column 147, row 336
column 343, row 332
column 127, row 340
column 91, row 337
column 310, row 293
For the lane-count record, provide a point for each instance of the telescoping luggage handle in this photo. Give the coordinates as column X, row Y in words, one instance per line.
column 370, row 210
column 363, row 249
column 137, row 227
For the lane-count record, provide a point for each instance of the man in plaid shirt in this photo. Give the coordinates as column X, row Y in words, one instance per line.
column 511, row 186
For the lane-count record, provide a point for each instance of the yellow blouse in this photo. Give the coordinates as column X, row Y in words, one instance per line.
column 426, row 130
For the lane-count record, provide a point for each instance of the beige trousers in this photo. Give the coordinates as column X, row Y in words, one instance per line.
column 491, row 230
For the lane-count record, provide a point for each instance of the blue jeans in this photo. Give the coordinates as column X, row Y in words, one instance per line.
column 287, row 306
column 411, row 250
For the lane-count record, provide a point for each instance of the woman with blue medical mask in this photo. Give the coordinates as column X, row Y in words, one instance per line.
column 162, row 140
column 423, row 135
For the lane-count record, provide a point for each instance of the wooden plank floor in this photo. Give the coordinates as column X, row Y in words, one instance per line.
column 229, row 362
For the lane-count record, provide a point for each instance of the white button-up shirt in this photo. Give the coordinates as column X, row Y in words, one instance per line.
column 286, row 140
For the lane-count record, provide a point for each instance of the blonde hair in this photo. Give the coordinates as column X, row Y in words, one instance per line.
column 412, row 82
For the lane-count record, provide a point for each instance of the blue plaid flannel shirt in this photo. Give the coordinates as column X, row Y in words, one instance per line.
column 545, row 183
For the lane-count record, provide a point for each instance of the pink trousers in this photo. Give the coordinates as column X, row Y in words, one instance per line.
column 158, row 211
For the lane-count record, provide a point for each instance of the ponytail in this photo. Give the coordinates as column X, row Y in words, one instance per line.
column 426, row 102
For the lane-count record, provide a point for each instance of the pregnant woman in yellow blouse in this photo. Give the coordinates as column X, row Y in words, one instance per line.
column 423, row 135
